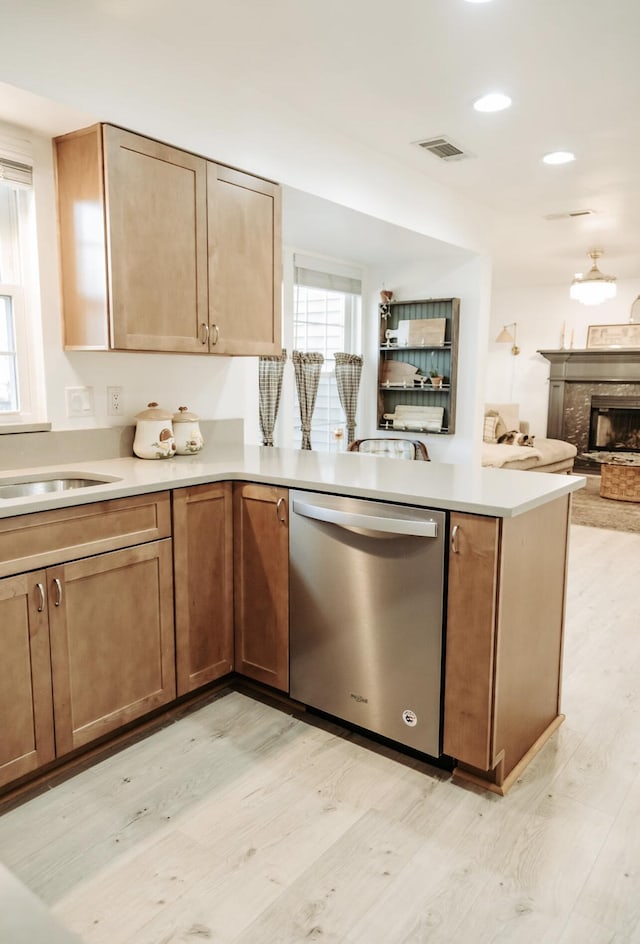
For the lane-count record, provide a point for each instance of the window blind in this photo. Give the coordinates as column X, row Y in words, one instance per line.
column 328, row 281
column 12, row 172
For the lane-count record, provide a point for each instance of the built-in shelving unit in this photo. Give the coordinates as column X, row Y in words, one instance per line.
column 411, row 402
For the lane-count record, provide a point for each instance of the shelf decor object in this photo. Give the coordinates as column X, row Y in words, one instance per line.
column 419, row 342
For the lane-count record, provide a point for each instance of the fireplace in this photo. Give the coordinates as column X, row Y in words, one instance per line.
column 594, row 403
column 614, row 424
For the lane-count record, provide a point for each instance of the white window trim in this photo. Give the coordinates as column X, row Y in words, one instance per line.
column 286, row 427
column 26, row 300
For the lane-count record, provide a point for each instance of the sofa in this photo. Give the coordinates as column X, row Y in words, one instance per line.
column 544, row 455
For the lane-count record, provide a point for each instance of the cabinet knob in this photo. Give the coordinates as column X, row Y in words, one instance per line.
column 205, row 332
column 58, row 586
column 40, row 590
column 454, row 539
column 281, row 511
column 216, row 336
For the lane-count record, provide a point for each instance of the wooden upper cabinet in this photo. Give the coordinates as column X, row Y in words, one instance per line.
column 156, row 217
column 164, row 251
column 244, row 262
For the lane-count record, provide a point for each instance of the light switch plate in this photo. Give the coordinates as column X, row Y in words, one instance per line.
column 79, row 401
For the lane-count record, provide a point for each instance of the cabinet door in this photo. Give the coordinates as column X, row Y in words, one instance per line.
column 156, row 220
column 471, row 639
column 26, row 729
column 203, row 565
column 261, row 578
column 244, row 237
column 112, row 645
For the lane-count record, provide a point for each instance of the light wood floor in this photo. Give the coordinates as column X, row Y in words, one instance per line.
column 242, row 824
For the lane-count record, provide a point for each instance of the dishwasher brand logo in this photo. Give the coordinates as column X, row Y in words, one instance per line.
column 359, row 698
column 410, row 717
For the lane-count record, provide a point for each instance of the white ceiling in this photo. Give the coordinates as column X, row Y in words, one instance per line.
column 379, row 75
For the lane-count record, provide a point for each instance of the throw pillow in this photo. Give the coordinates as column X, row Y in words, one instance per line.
column 489, row 429
column 499, row 425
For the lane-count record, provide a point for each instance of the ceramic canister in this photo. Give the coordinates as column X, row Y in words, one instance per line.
column 188, row 437
column 154, row 437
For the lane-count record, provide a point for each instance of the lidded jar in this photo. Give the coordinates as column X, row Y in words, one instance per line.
column 188, row 437
column 154, row 437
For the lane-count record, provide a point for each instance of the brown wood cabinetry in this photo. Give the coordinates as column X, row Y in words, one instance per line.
column 143, row 227
column 88, row 641
column 504, row 639
column 244, row 262
column 26, row 730
column 112, row 641
column 261, row 583
column 203, row 562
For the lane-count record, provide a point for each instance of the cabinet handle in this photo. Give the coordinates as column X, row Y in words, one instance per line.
column 58, row 587
column 205, row 339
column 454, row 539
column 217, row 334
column 282, row 518
column 40, row 590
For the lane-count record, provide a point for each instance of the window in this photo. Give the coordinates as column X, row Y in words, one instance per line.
column 326, row 319
column 16, row 259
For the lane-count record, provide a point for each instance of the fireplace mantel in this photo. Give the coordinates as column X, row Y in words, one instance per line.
column 615, row 366
column 575, row 376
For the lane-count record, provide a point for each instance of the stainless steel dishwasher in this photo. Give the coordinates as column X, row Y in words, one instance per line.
column 366, row 623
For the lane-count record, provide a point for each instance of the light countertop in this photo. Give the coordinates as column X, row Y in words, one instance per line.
column 496, row 492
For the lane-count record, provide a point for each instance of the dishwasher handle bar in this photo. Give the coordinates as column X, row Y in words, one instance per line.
column 349, row 519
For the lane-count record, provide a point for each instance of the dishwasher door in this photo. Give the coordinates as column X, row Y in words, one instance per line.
column 366, row 618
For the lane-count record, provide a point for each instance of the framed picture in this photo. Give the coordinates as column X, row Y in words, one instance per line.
column 613, row 336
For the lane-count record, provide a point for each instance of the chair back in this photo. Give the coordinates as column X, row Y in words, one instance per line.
column 392, row 448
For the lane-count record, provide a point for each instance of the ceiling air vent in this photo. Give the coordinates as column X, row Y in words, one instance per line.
column 570, row 215
column 444, row 148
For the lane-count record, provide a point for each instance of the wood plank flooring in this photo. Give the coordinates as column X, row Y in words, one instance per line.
column 240, row 824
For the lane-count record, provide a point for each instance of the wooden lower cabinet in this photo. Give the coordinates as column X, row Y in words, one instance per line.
column 112, row 640
column 504, row 637
column 26, row 709
column 203, row 567
column 261, row 583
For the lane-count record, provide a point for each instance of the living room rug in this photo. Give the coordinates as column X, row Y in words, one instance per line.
column 589, row 509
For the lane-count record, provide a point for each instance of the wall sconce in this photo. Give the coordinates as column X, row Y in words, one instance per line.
column 506, row 337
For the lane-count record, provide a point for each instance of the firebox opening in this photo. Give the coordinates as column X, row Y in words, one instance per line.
column 614, row 424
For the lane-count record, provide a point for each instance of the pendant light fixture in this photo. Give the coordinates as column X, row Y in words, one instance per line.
column 594, row 287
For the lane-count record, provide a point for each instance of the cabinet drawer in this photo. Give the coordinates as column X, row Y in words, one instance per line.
column 28, row 542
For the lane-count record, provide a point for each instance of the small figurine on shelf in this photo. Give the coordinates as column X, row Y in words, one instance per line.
column 385, row 303
column 436, row 378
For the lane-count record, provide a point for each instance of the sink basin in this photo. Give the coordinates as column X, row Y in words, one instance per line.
column 36, row 484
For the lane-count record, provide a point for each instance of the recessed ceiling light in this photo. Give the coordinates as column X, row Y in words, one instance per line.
column 559, row 157
column 495, row 101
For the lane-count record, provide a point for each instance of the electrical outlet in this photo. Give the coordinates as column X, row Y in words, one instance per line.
column 114, row 401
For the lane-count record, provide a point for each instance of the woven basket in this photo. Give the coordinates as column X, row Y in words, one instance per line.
column 621, row 482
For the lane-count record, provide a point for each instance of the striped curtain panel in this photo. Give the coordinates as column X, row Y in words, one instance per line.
column 307, row 367
column 270, row 371
column 348, row 373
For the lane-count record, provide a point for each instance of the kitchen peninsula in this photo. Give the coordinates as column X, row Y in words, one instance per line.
column 506, row 539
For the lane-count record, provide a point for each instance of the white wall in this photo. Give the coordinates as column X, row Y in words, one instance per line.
column 541, row 314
